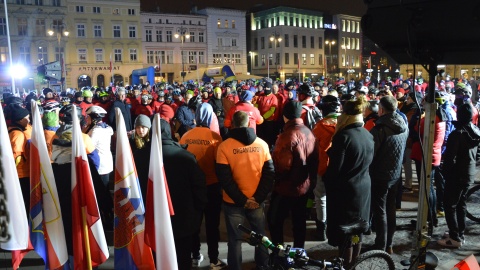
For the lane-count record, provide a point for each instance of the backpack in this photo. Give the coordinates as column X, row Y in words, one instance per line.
column 312, row 117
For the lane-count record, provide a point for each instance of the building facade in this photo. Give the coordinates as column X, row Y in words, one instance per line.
column 105, row 43
column 226, row 39
column 349, row 47
column 174, row 43
column 287, row 42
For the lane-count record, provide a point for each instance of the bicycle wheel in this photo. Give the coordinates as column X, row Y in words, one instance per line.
column 473, row 200
column 373, row 260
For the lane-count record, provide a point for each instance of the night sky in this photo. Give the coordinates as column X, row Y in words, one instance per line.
column 349, row 7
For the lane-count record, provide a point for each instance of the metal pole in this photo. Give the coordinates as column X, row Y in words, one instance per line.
column 9, row 44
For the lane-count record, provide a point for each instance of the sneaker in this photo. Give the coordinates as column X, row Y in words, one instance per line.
column 197, row 261
column 449, row 242
column 407, row 190
column 217, row 266
column 440, row 213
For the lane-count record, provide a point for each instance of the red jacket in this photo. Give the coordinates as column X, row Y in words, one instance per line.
column 437, row 141
column 253, row 114
column 265, row 104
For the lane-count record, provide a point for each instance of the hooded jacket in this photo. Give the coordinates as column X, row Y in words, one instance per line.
column 244, row 167
column 324, row 131
column 390, row 136
column 459, row 156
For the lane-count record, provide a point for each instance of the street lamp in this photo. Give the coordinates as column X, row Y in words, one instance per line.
column 60, row 30
column 275, row 38
column 182, row 34
column 329, row 43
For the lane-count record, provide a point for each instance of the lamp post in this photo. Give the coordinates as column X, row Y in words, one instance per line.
column 182, row 34
column 60, row 31
column 344, row 47
column 275, row 38
column 251, row 61
column 329, row 43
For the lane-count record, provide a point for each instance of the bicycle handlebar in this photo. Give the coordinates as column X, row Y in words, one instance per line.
column 299, row 255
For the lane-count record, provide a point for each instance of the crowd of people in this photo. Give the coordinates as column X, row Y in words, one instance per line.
column 232, row 147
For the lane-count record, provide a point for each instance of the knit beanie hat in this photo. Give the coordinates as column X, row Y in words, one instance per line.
column 17, row 113
column 292, row 110
column 246, row 95
column 166, row 112
column 464, row 113
column 143, row 120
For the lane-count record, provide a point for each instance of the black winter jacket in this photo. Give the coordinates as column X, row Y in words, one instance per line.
column 390, row 136
column 125, row 109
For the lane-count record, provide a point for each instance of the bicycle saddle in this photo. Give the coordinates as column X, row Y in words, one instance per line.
column 356, row 227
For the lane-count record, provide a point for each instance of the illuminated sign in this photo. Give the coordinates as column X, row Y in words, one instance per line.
column 97, row 68
column 330, row 26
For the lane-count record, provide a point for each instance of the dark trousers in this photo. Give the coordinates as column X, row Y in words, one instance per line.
column 455, row 208
column 432, row 196
column 384, row 212
column 25, row 187
column 268, row 132
column 212, row 222
column 106, row 179
column 183, row 247
column 439, row 188
column 280, row 207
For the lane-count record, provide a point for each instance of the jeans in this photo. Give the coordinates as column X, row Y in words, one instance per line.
column 235, row 215
column 212, row 221
column 320, row 200
column 455, row 208
column 280, row 207
column 384, row 212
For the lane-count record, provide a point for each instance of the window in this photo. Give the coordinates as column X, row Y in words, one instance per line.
column 42, row 54
column 270, row 59
column 56, row 3
column 358, row 27
column 4, row 55
column 302, row 23
column 192, row 57
column 295, row 58
column 291, row 21
column 263, row 59
column 304, row 59
column 297, row 23
column 219, row 42
column 80, row 30
column 304, row 41
column 169, row 36
column 133, row 55
column 97, row 31
column 3, row 27
column 201, row 37
column 219, row 25
column 226, row 23
column 132, row 31
column 353, row 27
column 343, row 26
column 40, row 29
column 39, row 2
column 320, row 59
column 255, row 59
column 352, row 45
column 20, row 2
column 287, row 59
column 236, row 58
column 233, row 24
column 201, row 57
column 255, row 44
column 150, row 57
column 148, row 35
column 118, row 55
column 312, row 42
column 348, row 26
column 192, row 36
column 22, row 26
column 234, row 42
column 79, row 9
column 131, row 11
column 358, row 44
column 312, row 59
column 320, row 42
column 262, row 43
column 270, row 43
column 277, row 58
column 159, row 36
column 98, row 55
column 117, row 31
column 82, row 55
column 169, row 57
column 96, row 10
column 59, row 53
column 217, row 58
column 116, row 11
column 286, row 41
column 295, row 41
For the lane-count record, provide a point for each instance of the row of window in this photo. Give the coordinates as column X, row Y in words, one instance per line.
column 225, row 25
column 55, row 3
column 303, row 59
column 169, row 36
column 350, row 26
column 166, row 57
column 167, row 21
column 98, row 31
column 117, row 56
column 289, row 20
column 98, row 10
column 286, row 42
column 227, row 58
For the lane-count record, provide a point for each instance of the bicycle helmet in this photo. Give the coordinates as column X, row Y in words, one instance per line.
column 87, row 94
column 96, row 112
column 103, row 94
column 329, row 104
column 66, row 112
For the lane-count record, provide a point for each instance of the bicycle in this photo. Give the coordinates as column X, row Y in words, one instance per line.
column 472, row 201
column 297, row 258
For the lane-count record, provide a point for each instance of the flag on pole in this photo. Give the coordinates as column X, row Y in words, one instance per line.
column 111, row 64
column 131, row 252
column 46, row 234
column 158, row 227
column 159, row 55
column 18, row 223
column 89, row 245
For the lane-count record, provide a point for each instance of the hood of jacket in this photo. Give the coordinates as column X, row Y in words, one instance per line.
column 394, row 121
column 167, row 134
column 244, row 135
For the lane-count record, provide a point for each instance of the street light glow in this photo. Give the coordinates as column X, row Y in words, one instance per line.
column 18, row 71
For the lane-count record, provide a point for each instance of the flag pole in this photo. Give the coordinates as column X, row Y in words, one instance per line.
column 111, row 69
column 87, row 242
column 9, row 45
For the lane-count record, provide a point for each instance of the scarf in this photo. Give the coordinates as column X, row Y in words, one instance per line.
column 345, row 120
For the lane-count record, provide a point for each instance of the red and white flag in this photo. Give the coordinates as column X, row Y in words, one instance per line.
column 18, row 223
column 47, row 234
column 89, row 245
column 159, row 233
